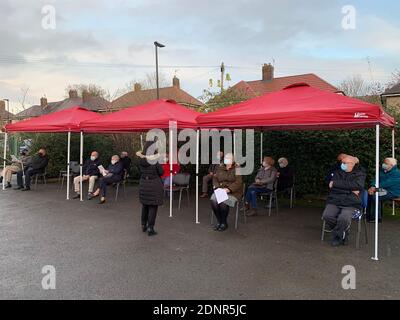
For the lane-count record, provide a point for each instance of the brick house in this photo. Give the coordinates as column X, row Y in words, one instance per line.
column 87, row 101
column 391, row 97
column 5, row 116
column 269, row 83
column 140, row 96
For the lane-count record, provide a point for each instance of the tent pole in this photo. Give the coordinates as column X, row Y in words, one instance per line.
column 393, row 156
column 376, row 193
column 197, row 174
column 170, row 172
column 81, row 166
column 68, row 162
column 234, row 143
column 261, row 147
column 141, row 141
column 4, row 159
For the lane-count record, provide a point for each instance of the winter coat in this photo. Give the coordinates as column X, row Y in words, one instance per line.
column 225, row 178
column 126, row 163
column 151, row 190
column 39, row 162
column 117, row 171
column 344, row 183
column 390, row 181
column 285, row 179
column 90, row 168
column 267, row 177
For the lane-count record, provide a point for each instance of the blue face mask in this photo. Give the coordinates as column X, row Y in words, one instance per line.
column 385, row 166
column 343, row 166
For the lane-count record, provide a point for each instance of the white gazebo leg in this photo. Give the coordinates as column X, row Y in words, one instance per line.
column 376, row 193
column 170, row 171
column 68, row 163
column 81, row 166
column 4, row 157
column 261, row 147
column 197, row 174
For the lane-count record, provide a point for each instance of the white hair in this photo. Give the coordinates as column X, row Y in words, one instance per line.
column 283, row 161
column 392, row 161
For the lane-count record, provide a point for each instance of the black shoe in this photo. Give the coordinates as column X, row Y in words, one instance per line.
column 26, row 189
column 1, row 179
column 8, row 185
column 18, row 188
column 336, row 241
column 151, row 232
column 216, row 227
column 223, row 227
column 144, row 228
column 77, row 196
column 90, row 196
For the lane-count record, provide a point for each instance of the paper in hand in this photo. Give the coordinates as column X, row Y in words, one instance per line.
column 220, row 195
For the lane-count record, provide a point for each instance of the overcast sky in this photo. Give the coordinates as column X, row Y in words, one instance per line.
column 111, row 42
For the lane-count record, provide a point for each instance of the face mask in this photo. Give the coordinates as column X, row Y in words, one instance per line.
column 114, row 161
column 40, row 154
column 264, row 164
column 93, row 158
column 281, row 165
column 227, row 161
column 218, row 156
column 385, row 166
column 343, row 166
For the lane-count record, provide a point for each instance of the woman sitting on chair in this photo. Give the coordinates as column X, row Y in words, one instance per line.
column 113, row 174
column 227, row 179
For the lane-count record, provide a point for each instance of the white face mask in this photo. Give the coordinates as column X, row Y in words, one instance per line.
column 219, row 156
column 93, row 158
column 227, row 161
column 114, row 161
column 282, row 165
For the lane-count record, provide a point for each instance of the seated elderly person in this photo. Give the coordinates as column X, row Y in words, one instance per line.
column 285, row 175
column 37, row 165
column 344, row 198
column 126, row 161
column 335, row 167
column 389, row 185
column 113, row 174
column 264, row 183
column 227, row 178
column 15, row 167
column 90, row 171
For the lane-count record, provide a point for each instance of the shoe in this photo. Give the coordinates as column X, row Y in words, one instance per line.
column 223, row 227
column 90, row 196
column 216, row 227
column 18, row 188
column 1, row 179
column 151, row 232
column 336, row 241
column 8, row 185
column 102, row 200
column 345, row 240
column 251, row 213
column 77, row 196
column 204, row 195
column 144, row 227
column 26, row 189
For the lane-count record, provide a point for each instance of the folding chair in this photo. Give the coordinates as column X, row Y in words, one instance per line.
column 40, row 175
column 123, row 183
column 273, row 195
column 181, row 183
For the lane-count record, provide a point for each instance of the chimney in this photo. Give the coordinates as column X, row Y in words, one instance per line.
column 43, row 102
column 267, row 72
column 2, row 107
column 137, row 87
column 175, row 82
column 85, row 96
column 73, row 94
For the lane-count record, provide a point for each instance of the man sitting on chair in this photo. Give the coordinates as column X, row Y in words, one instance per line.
column 113, row 174
column 36, row 166
column 264, row 183
column 90, row 171
column 344, row 198
column 15, row 167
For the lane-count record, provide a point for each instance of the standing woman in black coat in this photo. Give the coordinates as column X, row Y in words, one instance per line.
column 151, row 191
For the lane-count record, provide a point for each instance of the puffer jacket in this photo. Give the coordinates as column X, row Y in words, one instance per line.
column 151, row 190
column 390, row 181
column 344, row 183
column 225, row 178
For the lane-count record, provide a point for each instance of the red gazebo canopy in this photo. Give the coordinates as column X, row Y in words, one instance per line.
column 155, row 114
column 67, row 120
column 298, row 106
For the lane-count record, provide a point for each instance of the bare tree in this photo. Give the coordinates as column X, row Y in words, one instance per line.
column 93, row 89
column 24, row 94
column 148, row 82
column 354, row 86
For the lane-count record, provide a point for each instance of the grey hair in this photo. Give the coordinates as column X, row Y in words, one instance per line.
column 391, row 161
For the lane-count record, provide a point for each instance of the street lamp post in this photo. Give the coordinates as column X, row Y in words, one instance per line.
column 157, row 45
column 7, row 109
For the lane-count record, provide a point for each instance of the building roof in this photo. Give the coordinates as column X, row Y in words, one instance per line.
column 395, row 90
column 261, row 87
column 93, row 104
column 139, row 97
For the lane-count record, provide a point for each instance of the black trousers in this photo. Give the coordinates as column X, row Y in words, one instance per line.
column 149, row 214
column 29, row 172
column 221, row 211
column 105, row 181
